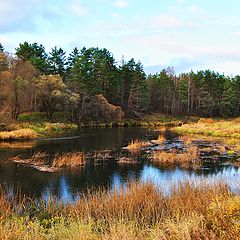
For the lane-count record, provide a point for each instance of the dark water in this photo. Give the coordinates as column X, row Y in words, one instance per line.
column 66, row 184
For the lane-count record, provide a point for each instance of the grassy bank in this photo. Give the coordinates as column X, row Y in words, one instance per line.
column 39, row 125
column 27, row 131
column 141, row 211
column 147, row 120
column 210, row 127
column 33, row 125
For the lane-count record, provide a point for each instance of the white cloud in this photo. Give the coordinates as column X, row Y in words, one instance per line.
column 193, row 8
column 120, row 3
column 117, row 16
column 18, row 15
column 180, row 1
column 13, row 9
column 78, row 9
column 165, row 21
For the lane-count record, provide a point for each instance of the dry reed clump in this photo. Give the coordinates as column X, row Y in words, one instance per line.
column 137, row 145
column 18, row 135
column 190, row 155
column 38, row 159
column 206, row 120
column 137, row 211
column 186, row 139
column 161, row 139
column 69, row 160
column 44, row 162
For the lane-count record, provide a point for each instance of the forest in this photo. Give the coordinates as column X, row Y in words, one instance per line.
column 82, row 84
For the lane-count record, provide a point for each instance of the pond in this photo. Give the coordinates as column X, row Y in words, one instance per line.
column 66, row 185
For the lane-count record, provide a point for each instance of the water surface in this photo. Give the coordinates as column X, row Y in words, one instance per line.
column 66, row 184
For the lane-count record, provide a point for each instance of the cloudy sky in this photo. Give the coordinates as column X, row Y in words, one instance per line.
column 185, row 34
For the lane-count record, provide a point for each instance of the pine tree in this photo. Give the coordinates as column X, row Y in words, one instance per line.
column 57, row 61
column 33, row 53
column 1, row 48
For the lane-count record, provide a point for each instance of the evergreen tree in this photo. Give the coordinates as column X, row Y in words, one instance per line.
column 57, row 61
column 33, row 53
column 1, row 48
column 73, row 57
column 138, row 97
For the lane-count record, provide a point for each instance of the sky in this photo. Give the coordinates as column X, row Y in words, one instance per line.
column 186, row 34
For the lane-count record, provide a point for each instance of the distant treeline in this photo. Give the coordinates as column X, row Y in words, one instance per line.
column 33, row 80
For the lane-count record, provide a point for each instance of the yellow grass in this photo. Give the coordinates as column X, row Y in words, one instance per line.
column 139, row 211
column 137, row 145
column 69, row 160
column 186, row 139
column 190, row 155
column 214, row 128
column 18, row 135
column 45, row 163
column 161, row 139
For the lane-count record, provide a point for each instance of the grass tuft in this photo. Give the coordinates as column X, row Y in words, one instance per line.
column 161, row 139
column 137, row 145
column 69, row 160
column 191, row 155
column 22, row 134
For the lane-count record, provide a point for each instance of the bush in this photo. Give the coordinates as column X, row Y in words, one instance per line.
column 100, row 110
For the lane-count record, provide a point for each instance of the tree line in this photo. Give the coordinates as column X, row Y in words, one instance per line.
column 33, row 80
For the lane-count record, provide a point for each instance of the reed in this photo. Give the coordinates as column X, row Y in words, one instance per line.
column 21, row 134
column 161, row 139
column 137, row 145
column 44, row 162
column 191, row 154
column 69, row 160
column 190, row 210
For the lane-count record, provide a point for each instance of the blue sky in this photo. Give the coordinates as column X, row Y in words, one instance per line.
column 185, row 34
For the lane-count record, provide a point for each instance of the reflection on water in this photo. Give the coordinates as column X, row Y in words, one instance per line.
column 17, row 145
column 69, row 184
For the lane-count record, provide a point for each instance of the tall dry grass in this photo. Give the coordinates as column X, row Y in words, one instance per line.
column 69, row 160
column 137, row 145
column 46, row 163
column 139, row 211
column 21, row 134
column 190, row 155
column 161, row 139
column 214, row 128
